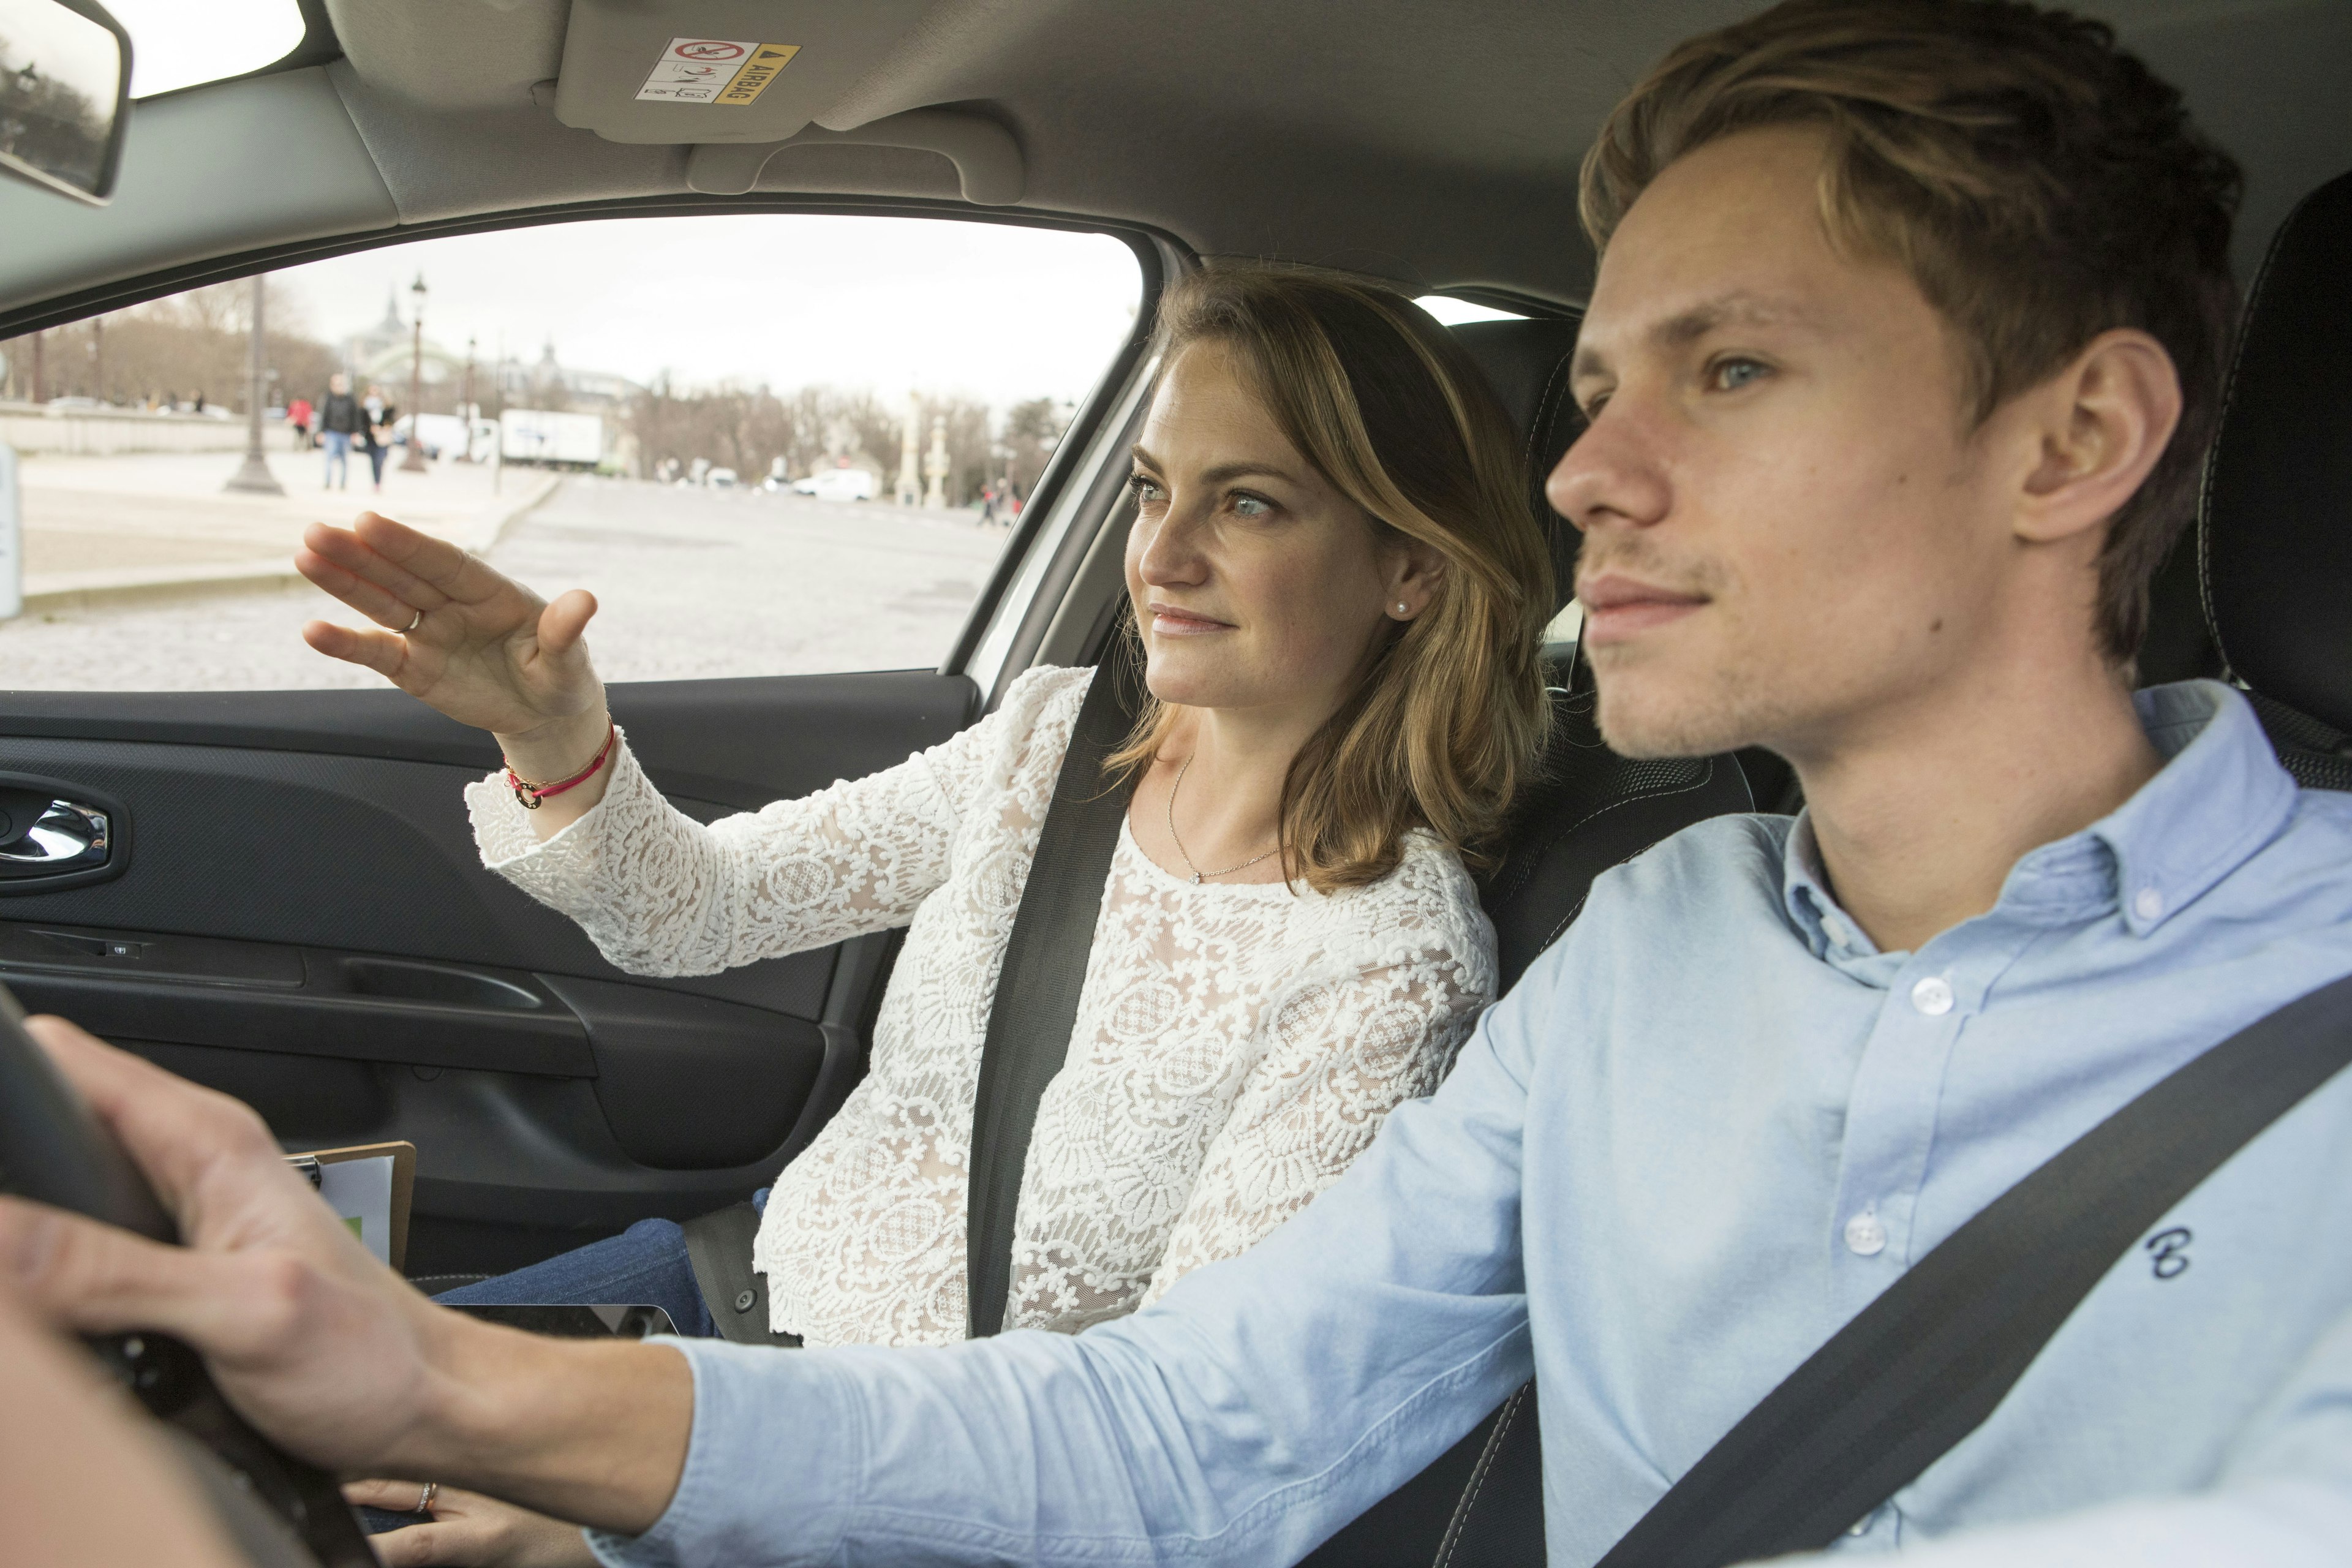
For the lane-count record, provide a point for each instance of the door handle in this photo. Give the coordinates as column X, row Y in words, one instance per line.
column 46, row 838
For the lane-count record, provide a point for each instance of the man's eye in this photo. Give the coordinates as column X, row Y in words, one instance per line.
column 1731, row 374
column 1146, row 490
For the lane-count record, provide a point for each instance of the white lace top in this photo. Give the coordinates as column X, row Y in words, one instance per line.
column 1235, row 1046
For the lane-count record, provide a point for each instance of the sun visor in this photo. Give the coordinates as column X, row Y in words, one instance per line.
column 725, row 70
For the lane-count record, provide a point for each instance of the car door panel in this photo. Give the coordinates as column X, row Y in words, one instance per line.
column 301, row 918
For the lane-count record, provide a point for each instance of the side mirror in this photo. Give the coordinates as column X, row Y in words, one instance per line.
column 64, row 95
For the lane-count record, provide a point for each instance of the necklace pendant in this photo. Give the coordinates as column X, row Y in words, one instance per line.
column 1196, row 878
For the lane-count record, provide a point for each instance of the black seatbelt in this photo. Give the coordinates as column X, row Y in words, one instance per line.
column 1922, row 1366
column 719, row 1250
column 1045, row 968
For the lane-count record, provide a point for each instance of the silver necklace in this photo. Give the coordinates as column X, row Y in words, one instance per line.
column 1198, row 875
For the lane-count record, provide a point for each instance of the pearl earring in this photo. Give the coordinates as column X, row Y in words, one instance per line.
column 1400, row 609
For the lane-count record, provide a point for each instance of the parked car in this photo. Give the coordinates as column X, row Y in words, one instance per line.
column 837, row 484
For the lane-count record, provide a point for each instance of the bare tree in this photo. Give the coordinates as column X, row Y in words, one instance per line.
column 1032, row 430
column 813, row 428
column 182, row 348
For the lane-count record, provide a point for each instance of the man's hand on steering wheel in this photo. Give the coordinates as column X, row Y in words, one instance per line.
column 316, row 1341
column 322, row 1348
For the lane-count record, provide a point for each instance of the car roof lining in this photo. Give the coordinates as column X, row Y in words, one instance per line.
column 1436, row 149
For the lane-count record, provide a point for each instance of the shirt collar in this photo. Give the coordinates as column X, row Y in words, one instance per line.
column 2220, row 797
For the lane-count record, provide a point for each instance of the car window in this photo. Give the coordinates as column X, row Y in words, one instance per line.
column 770, row 443
column 174, row 45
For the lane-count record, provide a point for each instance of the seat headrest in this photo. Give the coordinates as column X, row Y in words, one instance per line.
column 1527, row 364
column 2275, row 532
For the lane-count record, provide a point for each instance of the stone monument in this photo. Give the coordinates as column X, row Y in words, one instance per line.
column 935, row 466
column 910, row 478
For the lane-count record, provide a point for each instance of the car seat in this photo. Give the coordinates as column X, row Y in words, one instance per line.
column 1480, row 1505
column 2274, row 528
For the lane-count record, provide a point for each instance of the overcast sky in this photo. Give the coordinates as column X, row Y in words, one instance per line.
column 1000, row 312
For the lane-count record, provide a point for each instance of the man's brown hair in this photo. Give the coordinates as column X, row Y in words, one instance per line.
column 2040, row 184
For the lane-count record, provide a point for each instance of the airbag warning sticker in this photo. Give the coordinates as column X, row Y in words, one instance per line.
column 714, row 70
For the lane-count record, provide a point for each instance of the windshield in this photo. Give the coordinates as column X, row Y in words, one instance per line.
column 175, row 43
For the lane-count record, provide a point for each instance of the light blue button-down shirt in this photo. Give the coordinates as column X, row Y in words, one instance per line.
column 1709, row 1126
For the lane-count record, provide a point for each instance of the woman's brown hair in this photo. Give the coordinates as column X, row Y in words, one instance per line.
column 1452, row 714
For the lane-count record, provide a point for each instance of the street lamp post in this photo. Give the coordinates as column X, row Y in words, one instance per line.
column 254, row 478
column 414, row 462
column 466, row 406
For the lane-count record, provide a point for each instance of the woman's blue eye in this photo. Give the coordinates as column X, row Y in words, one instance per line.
column 1145, row 489
column 1249, row 506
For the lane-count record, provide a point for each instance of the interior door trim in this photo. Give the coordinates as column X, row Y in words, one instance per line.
column 666, row 719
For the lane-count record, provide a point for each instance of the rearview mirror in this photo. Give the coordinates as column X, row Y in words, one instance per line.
column 64, row 95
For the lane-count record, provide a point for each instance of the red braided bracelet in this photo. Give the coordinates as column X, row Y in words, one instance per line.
column 531, row 795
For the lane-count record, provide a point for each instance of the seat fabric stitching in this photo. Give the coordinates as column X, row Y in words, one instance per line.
column 2213, row 458
column 1651, row 792
column 1485, row 1466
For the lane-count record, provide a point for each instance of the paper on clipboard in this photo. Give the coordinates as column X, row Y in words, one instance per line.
column 368, row 1186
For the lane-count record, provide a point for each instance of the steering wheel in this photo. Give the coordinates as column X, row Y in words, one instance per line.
column 278, row 1508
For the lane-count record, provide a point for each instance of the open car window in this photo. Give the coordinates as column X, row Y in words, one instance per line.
column 770, row 443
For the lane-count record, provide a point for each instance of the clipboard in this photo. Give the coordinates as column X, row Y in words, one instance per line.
column 372, row 1201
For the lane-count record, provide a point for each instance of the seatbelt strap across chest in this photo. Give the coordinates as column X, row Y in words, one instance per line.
column 1045, row 970
column 1922, row 1366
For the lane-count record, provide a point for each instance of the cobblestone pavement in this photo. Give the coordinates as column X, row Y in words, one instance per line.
column 692, row 583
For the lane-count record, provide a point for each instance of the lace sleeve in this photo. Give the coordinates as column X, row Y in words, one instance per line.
column 662, row 894
column 1339, row 1057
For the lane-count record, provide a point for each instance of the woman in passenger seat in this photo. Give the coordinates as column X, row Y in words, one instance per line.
column 1340, row 590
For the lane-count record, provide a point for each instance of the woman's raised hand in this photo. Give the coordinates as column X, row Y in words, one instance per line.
column 477, row 645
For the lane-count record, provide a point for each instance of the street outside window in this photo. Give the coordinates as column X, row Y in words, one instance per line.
column 770, row 443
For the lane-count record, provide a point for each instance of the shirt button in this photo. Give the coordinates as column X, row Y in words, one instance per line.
column 1865, row 1236
column 1933, row 996
column 2148, row 905
column 744, row 1301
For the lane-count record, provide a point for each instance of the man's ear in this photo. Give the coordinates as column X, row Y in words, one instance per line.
column 2101, row 421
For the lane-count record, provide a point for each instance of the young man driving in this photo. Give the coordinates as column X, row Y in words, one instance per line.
column 1902, row 354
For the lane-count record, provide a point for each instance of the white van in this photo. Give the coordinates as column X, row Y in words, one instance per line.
column 837, row 484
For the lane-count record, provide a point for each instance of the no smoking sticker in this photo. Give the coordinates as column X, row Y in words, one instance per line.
column 714, row 70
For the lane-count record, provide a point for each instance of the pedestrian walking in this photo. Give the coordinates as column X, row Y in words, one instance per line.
column 297, row 415
column 341, row 417
column 377, row 436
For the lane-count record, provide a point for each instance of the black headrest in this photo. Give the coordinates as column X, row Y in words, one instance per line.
column 1527, row 364
column 2275, row 534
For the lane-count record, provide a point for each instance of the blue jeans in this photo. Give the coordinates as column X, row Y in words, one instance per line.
column 338, row 445
column 644, row 1264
